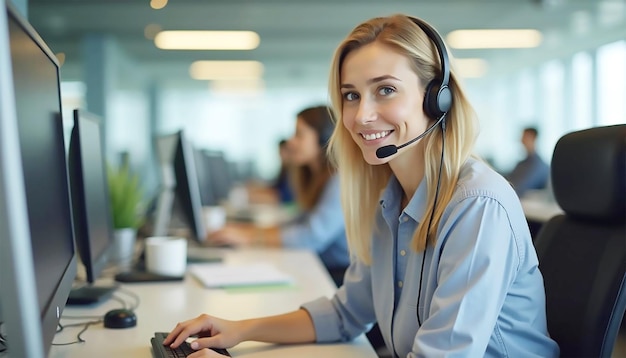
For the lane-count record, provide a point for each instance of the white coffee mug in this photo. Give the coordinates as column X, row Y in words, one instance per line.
column 166, row 255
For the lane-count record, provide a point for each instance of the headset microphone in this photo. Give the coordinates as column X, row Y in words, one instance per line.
column 389, row 150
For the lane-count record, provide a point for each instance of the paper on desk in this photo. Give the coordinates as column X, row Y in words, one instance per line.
column 218, row 275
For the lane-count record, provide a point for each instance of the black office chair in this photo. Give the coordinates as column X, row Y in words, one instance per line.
column 582, row 253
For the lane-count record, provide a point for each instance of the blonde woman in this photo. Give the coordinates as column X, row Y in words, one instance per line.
column 444, row 259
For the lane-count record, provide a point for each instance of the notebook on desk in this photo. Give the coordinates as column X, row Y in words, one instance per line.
column 215, row 275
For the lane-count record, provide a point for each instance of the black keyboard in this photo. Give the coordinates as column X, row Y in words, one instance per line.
column 161, row 351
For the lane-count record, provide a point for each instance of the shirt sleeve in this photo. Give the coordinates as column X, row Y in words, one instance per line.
column 318, row 228
column 349, row 312
column 478, row 260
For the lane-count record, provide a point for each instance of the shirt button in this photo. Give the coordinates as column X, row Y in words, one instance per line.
column 405, row 219
column 402, row 252
column 400, row 284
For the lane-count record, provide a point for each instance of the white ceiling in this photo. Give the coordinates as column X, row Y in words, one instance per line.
column 298, row 36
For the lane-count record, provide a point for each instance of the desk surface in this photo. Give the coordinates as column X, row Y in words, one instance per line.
column 163, row 305
column 540, row 209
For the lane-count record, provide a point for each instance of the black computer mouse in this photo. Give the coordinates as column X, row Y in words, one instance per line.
column 120, row 318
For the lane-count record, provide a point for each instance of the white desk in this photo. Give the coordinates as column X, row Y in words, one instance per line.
column 164, row 304
column 539, row 210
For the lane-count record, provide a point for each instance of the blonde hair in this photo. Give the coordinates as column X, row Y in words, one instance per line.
column 361, row 183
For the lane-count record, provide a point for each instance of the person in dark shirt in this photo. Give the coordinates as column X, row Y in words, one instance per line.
column 531, row 172
column 281, row 184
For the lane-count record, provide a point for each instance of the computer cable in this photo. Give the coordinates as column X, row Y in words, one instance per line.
column 95, row 318
column 120, row 300
column 79, row 338
column 130, row 293
column 432, row 214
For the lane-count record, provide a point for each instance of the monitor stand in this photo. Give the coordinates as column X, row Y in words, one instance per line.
column 89, row 295
column 138, row 273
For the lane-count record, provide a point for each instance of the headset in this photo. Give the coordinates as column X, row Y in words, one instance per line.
column 326, row 128
column 437, row 97
column 325, row 132
column 437, row 103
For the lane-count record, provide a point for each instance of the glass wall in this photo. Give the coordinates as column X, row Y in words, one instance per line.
column 611, row 89
column 558, row 96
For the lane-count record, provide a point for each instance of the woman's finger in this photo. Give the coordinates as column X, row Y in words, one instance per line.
column 184, row 330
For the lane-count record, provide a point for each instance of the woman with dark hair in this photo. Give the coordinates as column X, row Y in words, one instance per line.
column 315, row 185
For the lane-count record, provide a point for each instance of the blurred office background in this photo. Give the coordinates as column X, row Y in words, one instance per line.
column 567, row 74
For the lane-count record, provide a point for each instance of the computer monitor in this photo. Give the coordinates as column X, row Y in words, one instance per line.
column 37, row 260
column 207, row 195
column 180, row 194
column 220, row 172
column 93, row 227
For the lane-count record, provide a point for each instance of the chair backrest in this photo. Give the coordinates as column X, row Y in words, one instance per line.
column 582, row 253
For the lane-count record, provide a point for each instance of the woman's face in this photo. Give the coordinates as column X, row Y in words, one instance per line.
column 382, row 100
column 304, row 148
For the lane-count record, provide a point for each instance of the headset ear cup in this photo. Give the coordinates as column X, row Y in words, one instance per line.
column 444, row 99
column 323, row 139
column 437, row 99
column 431, row 102
column 324, row 135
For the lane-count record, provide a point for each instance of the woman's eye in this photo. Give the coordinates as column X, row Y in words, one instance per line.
column 350, row 96
column 385, row 91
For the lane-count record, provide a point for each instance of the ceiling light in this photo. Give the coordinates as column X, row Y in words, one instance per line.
column 158, row 4
column 207, row 40
column 470, row 67
column 469, row 39
column 226, row 70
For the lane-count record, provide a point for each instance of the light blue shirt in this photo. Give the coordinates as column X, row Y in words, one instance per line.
column 482, row 293
column 322, row 229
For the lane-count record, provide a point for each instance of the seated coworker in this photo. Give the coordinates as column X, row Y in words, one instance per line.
column 444, row 260
column 316, row 186
column 278, row 191
column 281, row 184
column 531, row 172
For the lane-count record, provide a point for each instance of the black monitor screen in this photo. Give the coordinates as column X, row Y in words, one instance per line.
column 90, row 196
column 205, row 181
column 178, row 163
column 187, row 187
column 40, row 127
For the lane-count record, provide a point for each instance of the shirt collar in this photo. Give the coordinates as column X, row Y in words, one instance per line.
column 417, row 205
column 392, row 195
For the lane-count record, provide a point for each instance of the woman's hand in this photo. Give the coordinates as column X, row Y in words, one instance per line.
column 212, row 332
column 233, row 235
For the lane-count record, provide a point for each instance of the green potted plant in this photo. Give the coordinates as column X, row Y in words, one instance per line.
column 125, row 200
